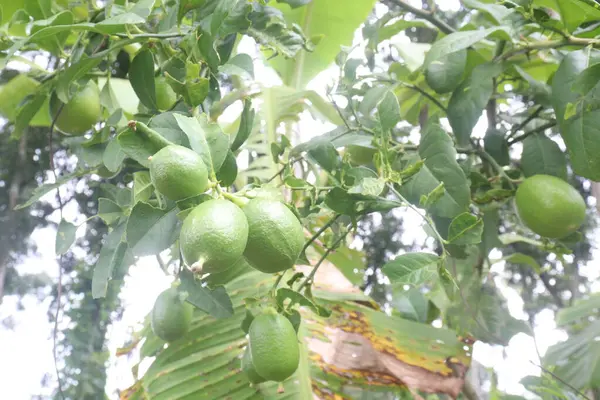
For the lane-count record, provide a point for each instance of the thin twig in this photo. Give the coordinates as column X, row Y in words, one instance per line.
column 311, row 276
column 60, row 259
column 428, row 220
column 549, row 44
column 426, row 15
column 424, row 93
column 487, row 157
column 560, row 380
column 540, row 128
column 527, row 120
column 319, row 232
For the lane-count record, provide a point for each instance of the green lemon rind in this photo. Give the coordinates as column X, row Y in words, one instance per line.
column 171, row 317
column 249, row 369
column 550, row 206
column 213, row 236
column 178, row 172
column 165, row 95
column 274, row 346
column 81, row 112
column 275, row 236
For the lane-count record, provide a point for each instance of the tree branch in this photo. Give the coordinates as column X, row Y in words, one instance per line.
column 527, row 120
column 426, row 15
column 549, row 44
column 540, row 128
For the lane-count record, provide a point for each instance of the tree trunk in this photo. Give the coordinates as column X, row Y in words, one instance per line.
column 13, row 198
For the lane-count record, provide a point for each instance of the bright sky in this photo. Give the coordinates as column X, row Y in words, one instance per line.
column 26, row 350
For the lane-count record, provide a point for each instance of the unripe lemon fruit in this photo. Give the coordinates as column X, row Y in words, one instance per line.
column 274, row 346
column 171, row 317
column 275, row 236
column 81, row 112
column 549, row 206
column 178, row 172
column 213, row 236
column 249, row 369
column 360, row 155
column 165, row 95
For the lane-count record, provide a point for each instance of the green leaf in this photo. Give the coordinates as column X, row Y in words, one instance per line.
column 498, row 12
column 246, row 124
column 368, row 187
column 580, row 311
column 437, row 150
column 577, row 359
column 218, row 142
column 113, row 156
column 142, row 186
column 444, row 75
column 484, row 315
column 47, row 187
column 520, row 258
column 228, row 171
column 581, row 131
column 166, row 125
column 432, row 197
column 38, row 9
column 412, row 53
column 541, row 155
column 284, row 294
column 141, row 142
column 412, row 268
column 339, row 137
column 411, row 304
column 113, row 259
column 65, row 237
column 73, row 73
column 141, row 76
column 465, row 229
column 573, row 13
column 215, row 302
column 457, row 41
column 494, row 143
column 335, row 22
column 27, row 112
column 470, row 98
column 12, row 95
column 326, row 156
column 240, row 65
column 351, row 204
column 109, row 211
column 389, row 111
column 55, row 43
column 151, row 230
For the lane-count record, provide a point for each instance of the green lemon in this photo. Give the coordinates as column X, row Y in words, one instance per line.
column 165, row 95
column 213, row 236
column 360, row 155
column 248, row 368
column 274, row 346
column 178, row 172
column 81, row 112
column 550, row 206
column 171, row 317
column 275, row 236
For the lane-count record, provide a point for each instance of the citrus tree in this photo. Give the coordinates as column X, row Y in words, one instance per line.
column 214, row 169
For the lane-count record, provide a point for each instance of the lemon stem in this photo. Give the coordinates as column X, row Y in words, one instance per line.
column 309, row 279
column 237, row 200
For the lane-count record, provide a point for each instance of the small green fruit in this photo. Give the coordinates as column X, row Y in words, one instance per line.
column 81, row 112
column 550, row 206
column 213, row 236
column 248, row 368
column 274, row 346
column 275, row 236
column 171, row 317
column 178, row 172
column 165, row 95
column 360, row 155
